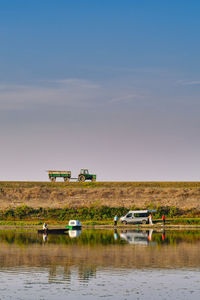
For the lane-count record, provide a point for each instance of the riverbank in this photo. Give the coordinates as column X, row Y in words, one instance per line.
column 171, row 224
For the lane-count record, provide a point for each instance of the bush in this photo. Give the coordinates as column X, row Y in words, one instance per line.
column 23, row 211
column 93, row 213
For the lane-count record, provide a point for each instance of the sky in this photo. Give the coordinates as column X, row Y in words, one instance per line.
column 108, row 85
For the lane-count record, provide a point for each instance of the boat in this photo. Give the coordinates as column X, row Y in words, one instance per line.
column 74, row 225
column 54, row 231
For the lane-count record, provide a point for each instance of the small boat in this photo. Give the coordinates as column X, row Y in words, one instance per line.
column 74, row 225
column 53, row 231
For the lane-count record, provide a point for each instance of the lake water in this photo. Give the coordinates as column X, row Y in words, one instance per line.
column 100, row 264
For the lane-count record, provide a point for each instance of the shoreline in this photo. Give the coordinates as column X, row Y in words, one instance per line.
column 106, row 226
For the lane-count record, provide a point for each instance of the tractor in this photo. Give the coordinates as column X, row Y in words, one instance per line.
column 85, row 175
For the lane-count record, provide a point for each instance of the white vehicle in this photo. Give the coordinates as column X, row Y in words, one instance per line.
column 136, row 217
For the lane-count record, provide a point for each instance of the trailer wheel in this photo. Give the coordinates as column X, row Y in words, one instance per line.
column 144, row 222
column 66, row 179
column 81, row 178
column 53, row 179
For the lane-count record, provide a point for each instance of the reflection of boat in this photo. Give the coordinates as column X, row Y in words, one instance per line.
column 54, row 231
column 74, row 233
column 74, row 225
column 136, row 237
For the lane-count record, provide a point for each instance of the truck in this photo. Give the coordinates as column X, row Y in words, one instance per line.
column 66, row 175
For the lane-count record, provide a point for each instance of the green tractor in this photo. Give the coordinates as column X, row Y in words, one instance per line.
column 85, row 175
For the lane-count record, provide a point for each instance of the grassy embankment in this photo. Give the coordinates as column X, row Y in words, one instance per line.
column 100, row 184
column 94, row 214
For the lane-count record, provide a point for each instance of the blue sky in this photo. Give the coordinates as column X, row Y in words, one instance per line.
column 112, row 86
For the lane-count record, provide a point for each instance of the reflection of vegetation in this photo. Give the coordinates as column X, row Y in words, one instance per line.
column 96, row 237
column 86, row 272
column 87, row 237
column 176, row 237
column 19, row 238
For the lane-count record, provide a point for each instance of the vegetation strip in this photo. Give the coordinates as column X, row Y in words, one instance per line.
column 95, row 215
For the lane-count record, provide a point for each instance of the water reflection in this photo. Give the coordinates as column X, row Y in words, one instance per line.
column 92, row 249
column 102, row 237
column 95, row 262
column 137, row 237
column 45, row 236
column 74, row 233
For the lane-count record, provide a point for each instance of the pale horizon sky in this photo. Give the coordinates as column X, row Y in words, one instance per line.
column 112, row 86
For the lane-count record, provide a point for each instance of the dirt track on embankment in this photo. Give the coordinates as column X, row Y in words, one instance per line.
column 184, row 195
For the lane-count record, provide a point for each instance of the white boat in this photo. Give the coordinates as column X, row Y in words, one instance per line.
column 74, row 225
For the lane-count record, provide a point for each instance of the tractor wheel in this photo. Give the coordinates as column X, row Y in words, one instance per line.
column 144, row 222
column 66, row 179
column 81, row 178
column 124, row 222
column 53, row 179
column 93, row 179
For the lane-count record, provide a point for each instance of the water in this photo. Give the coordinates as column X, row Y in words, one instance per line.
column 100, row 264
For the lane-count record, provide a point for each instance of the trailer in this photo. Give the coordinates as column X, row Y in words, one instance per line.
column 66, row 175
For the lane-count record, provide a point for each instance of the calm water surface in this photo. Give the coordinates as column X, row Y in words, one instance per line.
column 95, row 264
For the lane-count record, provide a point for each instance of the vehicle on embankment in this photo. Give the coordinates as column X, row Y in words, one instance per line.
column 66, row 175
column 85, row 175
column 136, row 217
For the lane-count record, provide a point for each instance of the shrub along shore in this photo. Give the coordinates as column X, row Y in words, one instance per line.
column 94, row 215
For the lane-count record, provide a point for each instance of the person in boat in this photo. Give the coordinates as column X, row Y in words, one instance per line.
column 45, row 227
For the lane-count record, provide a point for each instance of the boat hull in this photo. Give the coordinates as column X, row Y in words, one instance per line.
column 54, row 231
column 71, row 227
